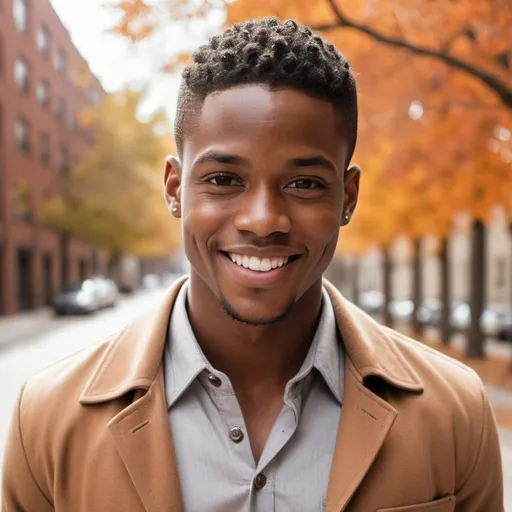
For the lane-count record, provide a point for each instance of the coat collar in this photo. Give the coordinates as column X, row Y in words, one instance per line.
column 134, row 358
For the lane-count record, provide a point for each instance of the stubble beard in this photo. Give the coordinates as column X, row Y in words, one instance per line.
column 234, row 315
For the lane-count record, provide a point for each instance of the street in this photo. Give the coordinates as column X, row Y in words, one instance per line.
column 22, row 356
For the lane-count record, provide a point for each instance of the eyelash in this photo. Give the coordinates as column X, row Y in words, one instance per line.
column 317, row 183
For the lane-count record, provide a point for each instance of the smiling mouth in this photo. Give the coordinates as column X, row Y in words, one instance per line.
column 260, row 264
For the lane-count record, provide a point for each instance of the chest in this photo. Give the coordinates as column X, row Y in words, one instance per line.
column 259, row 418
column 228, row 462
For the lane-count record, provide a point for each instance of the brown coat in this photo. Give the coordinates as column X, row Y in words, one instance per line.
column 91, row 433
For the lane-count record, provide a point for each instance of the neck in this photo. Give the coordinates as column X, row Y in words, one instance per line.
column 253, row 356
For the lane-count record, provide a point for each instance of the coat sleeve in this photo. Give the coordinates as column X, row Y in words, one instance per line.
column 483, row 489
column 20, row 491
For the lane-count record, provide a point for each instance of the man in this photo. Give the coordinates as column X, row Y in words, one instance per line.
column 255, row 386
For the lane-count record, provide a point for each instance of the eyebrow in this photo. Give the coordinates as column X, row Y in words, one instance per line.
column 228, row 159
column 313, row 161
column 220, row 158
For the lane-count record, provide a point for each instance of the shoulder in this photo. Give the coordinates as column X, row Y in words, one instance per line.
column 454, row 412
column 436, row 369
column 61, row 384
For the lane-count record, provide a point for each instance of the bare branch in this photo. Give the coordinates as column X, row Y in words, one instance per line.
column 502, row 90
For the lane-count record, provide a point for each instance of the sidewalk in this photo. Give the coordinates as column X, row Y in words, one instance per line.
column 22, row 325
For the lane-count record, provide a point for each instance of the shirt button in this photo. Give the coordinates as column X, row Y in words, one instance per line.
column 260, row 481
column 236, row 434
column 214, row 380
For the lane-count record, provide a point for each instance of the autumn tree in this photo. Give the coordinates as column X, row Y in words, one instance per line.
column 435, row 90
column 113, row 198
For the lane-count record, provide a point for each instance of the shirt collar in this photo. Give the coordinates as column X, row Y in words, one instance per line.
column 184, row 360
column 326, row 352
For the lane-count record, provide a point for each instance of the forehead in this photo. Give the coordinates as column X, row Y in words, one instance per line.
column 255, row 117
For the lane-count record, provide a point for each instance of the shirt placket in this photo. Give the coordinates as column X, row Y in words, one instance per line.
column 263, row 490
column 221, row 392
column 260, row 478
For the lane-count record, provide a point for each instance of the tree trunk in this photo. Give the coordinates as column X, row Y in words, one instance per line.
column 417, row 287
column 64, row 240
column 356, row 290
column 475, row 342
column 386, row 286
column 445, row 326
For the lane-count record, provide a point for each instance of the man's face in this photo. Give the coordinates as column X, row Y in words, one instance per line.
column 262, row 190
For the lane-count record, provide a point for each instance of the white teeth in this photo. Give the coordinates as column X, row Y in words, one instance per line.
column 258, row 264
column 254, row 263
column 265, row 265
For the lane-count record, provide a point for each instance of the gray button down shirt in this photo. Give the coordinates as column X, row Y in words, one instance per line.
column 215, row 464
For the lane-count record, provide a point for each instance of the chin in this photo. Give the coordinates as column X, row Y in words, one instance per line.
column 256, row 312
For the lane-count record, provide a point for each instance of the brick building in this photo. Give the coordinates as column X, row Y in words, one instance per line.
column 44, row 84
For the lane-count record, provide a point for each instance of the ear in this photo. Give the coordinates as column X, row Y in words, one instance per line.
column 351, row 193
column 172, row 185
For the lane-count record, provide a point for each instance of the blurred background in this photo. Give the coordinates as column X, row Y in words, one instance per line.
column 87, row 97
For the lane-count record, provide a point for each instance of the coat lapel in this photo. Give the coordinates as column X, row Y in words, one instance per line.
column 132, row 363
column 364, row 425
column 366, row 419
column 143, row 439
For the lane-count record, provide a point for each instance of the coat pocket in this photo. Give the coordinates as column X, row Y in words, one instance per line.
column 446, row 504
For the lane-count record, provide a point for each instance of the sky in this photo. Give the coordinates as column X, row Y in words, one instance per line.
column 118, row 63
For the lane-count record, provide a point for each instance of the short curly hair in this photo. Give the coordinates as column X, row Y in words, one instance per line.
column 278, row 54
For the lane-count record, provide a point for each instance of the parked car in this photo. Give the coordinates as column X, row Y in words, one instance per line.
column 128, row 275
column 492, row 322
column 505, row 329
column 107, row 291
column 151, row 281
column 79, row 297
column 401, row 311
column 371, row 302
column 429, row 312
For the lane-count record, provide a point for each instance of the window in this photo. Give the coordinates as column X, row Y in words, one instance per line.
column 21, row 74
column 21, row 135
column 60, row 110
column 44, row 155
column 59, row 60
column 43, row 39
column 20, row 14
column 43, row 93
column 63, row 160
column 23, row 204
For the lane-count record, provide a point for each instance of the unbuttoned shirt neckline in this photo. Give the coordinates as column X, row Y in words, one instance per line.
column 192, row 384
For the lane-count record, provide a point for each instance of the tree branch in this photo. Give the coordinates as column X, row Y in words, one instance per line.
column 503, row 91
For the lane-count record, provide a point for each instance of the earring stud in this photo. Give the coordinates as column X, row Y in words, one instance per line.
column 347, row 216
column 175, row 209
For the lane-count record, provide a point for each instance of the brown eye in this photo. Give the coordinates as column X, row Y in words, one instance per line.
column 305, row 184
column 223, row 180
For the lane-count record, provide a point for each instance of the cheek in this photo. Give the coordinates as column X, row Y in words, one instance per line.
column 201, row 217
column 320, row 225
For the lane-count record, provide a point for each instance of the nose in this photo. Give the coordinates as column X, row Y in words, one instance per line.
column 263, row 212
